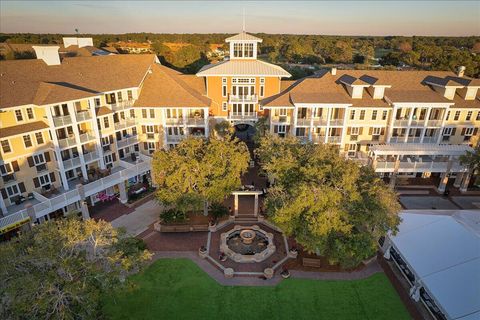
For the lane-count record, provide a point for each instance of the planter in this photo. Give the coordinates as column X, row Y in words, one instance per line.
column 285, row 274
column 228, row 273
column 212, row 227
column 268, row 273
column 202, row 252
column 293, row 253
column 157, row 226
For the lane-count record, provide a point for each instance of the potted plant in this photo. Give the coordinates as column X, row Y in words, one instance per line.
column 222, row 257
column 202, row 252
column 293, row 252
column 285, row 273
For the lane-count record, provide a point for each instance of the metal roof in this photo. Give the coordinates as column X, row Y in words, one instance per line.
column 420, row 149
column 243, row 68
column 243, row 36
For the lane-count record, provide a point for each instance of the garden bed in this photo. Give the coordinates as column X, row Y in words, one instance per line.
column 195, row 221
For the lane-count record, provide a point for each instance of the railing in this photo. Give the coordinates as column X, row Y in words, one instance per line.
column 73, row 196
column 334, row 139
column 430, row 139
column 174, row 120
column 242, row 115
column 281, row 119
column 308, row 122
column 71, row 163
column 304, row 122
column 41, row 167
column 67, row 142
column 397, row 139
column 418, row 166
column 119, row 106
column 318, row 139
column 83, row 116
column 434, row 123
column 9, row 178
column 196, row 121
column 175, row 138
column 243, row 98
column 91, row 156
column 124, row 123
column 336, row 122
column 400, row 123
column 62, row 120
column 127, row 141
column 85, row 137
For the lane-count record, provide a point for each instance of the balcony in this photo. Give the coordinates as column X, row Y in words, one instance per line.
column 62, row 120
column 175, row 139
column 334, row 139
column 9, row 178
column 336, row 122
column 196, row 121
column 174, row 120
column 434, row 123
column 83, row 116
column 400, row 123
column 91, row 156
column 422, row 164
column 318, row 139
column 127, row 141
column 71, row 163
column 242, row 115
column 243, row 98
column 119, row 106
column 67, row 142
column 124, row 123
column 86, row 137
column 281, row 119
column 304, row 122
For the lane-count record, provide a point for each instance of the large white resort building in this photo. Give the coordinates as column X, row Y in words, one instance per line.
column 74, row 130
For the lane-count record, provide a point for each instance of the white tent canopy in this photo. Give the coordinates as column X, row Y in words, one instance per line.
column 443, row 252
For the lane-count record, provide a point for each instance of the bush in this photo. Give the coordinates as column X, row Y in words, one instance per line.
column 131, row 245
column 218, row 210
column 173, row 215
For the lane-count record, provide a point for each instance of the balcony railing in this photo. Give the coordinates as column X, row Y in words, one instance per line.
column 9, row 178
column 243, row 98
column 418, row 166
column 71, row 163
column 196, row 121
column 86, row 137
column 242, row 115
column 62, row 120
column 175, row 138
column 124, row 123
column 281, row 119
column 72, row 196
column 318, row 139
column 67, row 142
column 83, row 116
column 334, row 139
column 304, row 122
column 336, row 122
column 119, row 106
column 174, row 120
column 400, row 123
column 434, row 123
column 41, row 167
column 127, row 141
column 91, row 156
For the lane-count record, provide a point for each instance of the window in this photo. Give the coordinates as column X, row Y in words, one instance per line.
column 106, row 124
column 478, row 116
column 281, row 129
column 248, row 50
column 108, row 159
column 129, row 94
column 19, row 115
column 144, row 113
column 97, row 102
column 448, row 115
column 44, row 180
column 224, row 106
column 175, row 131
column 448, row 131
column 39, row 137
column 132, row 113
column 468, row 131
column 224, row 90
column 362, row 115
column 374, row 115
column 13, row 190
column 6, row 146
column 384, row 115
column 355, row 131
column 30, row 114
column 469, row 115
column 300, row 132
column 262, row 90
column 457, row 115
column 376, row 131
column 6, row 169
column 352, row 115
column 119, row 96
column 152, row 113
column 27, row 141
column 238, row 50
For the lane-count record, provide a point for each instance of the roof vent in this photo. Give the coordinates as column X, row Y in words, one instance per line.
column 49, row 54
column 460, row 71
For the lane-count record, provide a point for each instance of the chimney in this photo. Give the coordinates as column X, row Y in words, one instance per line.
column 49, row 54
column 460, row 71
column 333, row 71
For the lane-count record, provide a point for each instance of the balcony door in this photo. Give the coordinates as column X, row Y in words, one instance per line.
column 243, row 91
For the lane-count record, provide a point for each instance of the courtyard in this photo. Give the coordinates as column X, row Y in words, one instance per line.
column 187, row 292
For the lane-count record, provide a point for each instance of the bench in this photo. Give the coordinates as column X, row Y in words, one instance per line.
column 309, row 262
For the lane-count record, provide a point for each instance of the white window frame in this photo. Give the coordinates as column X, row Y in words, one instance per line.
column 374, row 114
column 28, row 114
column 44, row 180
column 456, row 117
column 11, row 192
column 469, row 116
column 18, row 112
column 281, row 128
column 39, row 159
column 42, row 137
column 9, row 146
column 354, row 131
column 108, row 159
column 352, row 115
column 447, row 131
column 469, row 131
column 8, row 169
column 376, row 131
column 362, row 114
column 224, row 106
column 384, row 114
column 24, row 142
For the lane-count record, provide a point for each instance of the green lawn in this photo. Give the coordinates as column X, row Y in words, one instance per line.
column 179, row 289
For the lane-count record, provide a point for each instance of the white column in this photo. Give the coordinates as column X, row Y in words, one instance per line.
column 444, row 118
column 424, row 129
column 255, row 208
column 458, row 179
column 78, row 143
column 3, row 207
column 96, row 130
column 409, row 125
column 388, row 133
column 83, row 203
column 207, row 129
column 327, row 133
column 344, row 132
column 444, row 176
column 312, row 110
column 393, row 178
column 123, row 192
column 235, row 205
column 294, row 126
column 466, row 180
column 56, row 148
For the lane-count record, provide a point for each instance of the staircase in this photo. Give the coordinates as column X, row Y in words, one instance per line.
column 246, row 219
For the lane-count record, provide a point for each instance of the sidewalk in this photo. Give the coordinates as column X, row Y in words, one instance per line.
column 139, row 220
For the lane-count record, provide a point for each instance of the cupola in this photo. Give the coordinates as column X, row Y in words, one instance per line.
column 243, row 46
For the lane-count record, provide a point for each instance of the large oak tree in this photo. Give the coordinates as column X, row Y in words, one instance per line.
column 198, row 172
column 331, row 205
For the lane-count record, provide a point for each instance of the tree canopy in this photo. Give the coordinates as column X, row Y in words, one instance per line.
column 472, row 159
column 198, row 171
column 332, row 206
column 60, row 269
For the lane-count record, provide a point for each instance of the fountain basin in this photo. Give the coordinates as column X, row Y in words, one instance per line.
column 247, row 244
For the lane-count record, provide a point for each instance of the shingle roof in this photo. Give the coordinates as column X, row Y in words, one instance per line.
column 165, row 87
column 22, row 128
column 103, row 111
column 243, row 68
column 243, row 36
column 406, row 86
column 24, row 82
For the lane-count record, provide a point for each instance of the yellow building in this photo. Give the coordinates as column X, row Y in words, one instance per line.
column 75, row 130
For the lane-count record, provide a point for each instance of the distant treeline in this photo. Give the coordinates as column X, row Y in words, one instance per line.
column 418, row 52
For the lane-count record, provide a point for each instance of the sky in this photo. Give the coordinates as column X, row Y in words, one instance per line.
column 447, row 18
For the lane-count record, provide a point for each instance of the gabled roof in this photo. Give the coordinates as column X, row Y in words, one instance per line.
column 25, row 82
column 23, row 128
column 165, row 87
column 243, row 36
column 243, row 68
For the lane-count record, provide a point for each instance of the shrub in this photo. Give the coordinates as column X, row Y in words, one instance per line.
column 173, row 215
column 218, row 210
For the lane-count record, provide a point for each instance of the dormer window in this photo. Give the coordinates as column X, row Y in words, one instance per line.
column 243, row 46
